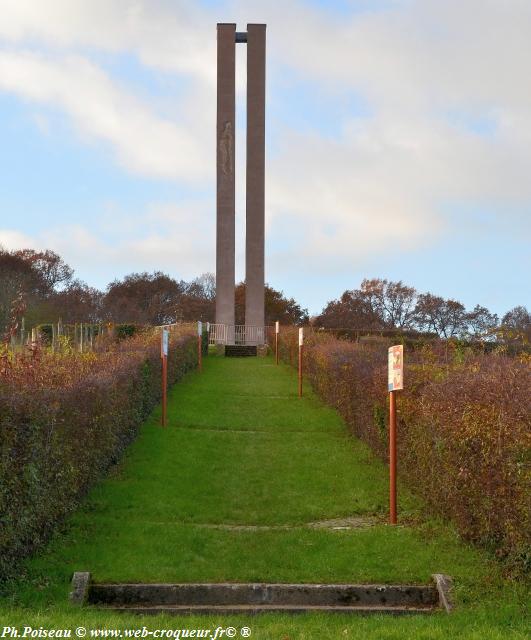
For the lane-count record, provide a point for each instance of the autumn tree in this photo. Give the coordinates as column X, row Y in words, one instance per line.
column 77, row 302
column 52, row 269
column 378, row 304
column 277, row 307
column 198, row 300
column 286, row 310
column 447, row 318
column 27, row 278
column 516, row 325
column 481, row 323
column 351, row 311
column 392, row 302
column 143, row 298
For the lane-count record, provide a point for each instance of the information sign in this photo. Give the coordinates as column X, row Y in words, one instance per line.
column 165, row 341
column 395, row 378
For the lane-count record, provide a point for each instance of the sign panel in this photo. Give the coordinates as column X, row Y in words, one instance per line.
column 165, row 342
column 395, row 380
column 199, row 328
column 301, row 337
column 277, row 327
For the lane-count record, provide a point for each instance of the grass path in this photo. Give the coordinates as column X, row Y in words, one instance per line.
column 229, row 492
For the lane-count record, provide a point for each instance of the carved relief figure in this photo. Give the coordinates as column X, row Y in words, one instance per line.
column 225, row 148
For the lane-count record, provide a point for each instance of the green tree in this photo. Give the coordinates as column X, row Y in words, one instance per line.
column 277, row 307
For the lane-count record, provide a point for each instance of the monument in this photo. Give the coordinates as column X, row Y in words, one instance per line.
column 227, row 38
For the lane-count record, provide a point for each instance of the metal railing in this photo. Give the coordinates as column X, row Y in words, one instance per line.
column 237, row 334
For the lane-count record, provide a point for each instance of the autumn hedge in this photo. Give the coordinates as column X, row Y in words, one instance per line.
column 64, row 419
column 463, row 423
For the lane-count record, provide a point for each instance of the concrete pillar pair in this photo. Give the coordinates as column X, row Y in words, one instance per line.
column 255, row 38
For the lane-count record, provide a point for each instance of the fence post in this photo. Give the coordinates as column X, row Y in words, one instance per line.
column 301, row 347
column 277, row 331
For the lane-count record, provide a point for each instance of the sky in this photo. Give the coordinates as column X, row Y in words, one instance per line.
column 398, row 141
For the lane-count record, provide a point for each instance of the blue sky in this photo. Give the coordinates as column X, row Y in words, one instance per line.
column 398, row 141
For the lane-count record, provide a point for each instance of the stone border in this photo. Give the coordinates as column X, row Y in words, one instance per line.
column 444, row 586
column 80, row 588
column 81, row 584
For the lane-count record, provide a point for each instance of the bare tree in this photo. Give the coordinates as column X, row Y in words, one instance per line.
column 482, row 324
column 207, row 284
column 377, row 304
column 52, row 269
column 198, row 301
column 516, row 325
column 393, row 302
column 351, row 311
column 447, row 318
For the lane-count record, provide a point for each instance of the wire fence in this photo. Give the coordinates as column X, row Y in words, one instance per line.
column 86, row 336
column 511, row 344
column 82, row 337
column 79, row 336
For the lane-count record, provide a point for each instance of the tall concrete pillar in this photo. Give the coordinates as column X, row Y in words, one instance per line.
column 255, row 224
column 225, row 187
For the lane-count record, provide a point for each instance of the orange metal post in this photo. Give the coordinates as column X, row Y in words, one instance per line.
column 392, row 457
column 164, row 389
column 200, row 353
column 300, row 370
column 277, row 332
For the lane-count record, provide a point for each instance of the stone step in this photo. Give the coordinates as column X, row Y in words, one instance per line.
column 240, row 350
column 259, row 593
column 256, row 597
column 249, row 609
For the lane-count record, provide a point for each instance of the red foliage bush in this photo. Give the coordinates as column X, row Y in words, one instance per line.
column 463, row 428
column 64, row 419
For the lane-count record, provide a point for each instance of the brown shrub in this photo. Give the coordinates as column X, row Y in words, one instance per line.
column 464, row 437
column 64, row 419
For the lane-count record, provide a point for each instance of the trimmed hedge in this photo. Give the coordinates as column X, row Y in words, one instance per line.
column 464, row 436
column 64, row 419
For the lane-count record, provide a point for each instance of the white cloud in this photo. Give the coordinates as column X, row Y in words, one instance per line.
column 387, row 180
column 172, row 36
column 143, row 143
column 10, row 239
column 382, row 183
column 164, row 236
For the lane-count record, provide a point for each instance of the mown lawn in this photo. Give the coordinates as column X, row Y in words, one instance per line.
column 226, row 493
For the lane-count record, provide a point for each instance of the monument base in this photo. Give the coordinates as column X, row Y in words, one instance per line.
column 240, row 351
